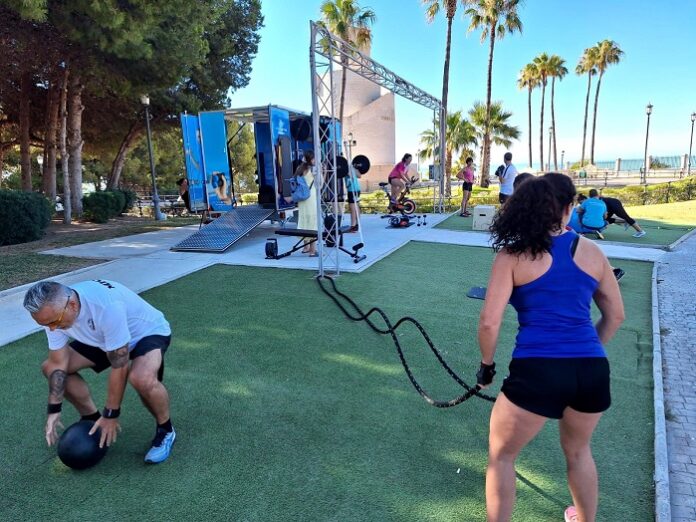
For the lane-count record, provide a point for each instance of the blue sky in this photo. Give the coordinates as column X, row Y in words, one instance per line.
column 658, row 66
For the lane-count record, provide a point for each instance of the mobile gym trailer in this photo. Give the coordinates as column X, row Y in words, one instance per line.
column 281, row 135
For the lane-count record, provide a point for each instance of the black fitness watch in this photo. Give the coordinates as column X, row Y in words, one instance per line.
column 109, row 413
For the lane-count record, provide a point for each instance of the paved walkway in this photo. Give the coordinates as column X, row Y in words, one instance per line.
column 676, row 277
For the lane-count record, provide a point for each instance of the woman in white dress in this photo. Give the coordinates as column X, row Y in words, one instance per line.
column 308, row 208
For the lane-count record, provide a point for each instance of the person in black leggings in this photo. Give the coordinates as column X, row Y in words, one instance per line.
column 616, row 208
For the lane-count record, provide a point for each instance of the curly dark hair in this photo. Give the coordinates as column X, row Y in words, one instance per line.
column 535, row 209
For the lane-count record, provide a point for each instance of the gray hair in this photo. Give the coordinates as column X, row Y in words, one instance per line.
column 43, row 293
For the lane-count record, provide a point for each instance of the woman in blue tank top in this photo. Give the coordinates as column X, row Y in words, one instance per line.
column 559, row 369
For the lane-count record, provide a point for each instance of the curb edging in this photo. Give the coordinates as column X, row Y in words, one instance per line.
column 663, row 510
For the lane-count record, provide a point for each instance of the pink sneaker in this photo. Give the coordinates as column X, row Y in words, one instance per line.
column 571, row 514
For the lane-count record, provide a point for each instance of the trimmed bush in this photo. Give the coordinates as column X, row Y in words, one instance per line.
column 99, row 207
column 24, row 216
column 130, row 196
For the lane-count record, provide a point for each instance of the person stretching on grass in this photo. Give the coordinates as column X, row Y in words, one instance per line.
column 109, row 325
column 559, row 369
column 466, row 175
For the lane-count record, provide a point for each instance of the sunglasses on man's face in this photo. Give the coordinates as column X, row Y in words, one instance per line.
column 54, row 324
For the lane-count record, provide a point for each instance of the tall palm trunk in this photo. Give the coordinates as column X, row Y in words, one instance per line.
column 75, row 142
column 541, row 125
column 529, row 108
column 445, row 93
column 594, row 118
column 64, row 155
column 553, row 125
column 486, row 160
column 24, row 124
column 584, row 127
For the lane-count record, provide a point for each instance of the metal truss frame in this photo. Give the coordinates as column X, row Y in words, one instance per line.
column 327, row 49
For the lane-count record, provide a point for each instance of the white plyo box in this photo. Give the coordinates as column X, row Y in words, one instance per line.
column 483, row 217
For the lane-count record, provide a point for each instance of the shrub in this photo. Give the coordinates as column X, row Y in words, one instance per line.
column 23, row 216
column 99, row 207
column 130, row 199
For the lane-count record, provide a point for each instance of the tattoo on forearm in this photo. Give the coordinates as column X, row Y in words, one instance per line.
column 56, row 384
column 118, row 358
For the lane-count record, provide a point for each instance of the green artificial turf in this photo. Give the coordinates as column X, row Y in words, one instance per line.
column 287, row 411
column 664, row 224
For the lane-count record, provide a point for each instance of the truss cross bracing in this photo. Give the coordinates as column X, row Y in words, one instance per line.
column 326, row 49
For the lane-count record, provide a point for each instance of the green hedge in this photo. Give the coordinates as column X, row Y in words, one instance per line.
column 130, row 199
column 634, row 195
column 101, row 206
column 23, row 216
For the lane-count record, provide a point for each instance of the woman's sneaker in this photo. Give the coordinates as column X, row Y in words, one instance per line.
column 161, row 446
column 639, row 234
column 571, row 514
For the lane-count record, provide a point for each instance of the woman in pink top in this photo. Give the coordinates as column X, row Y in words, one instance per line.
column 467, row 177
column 398, row 177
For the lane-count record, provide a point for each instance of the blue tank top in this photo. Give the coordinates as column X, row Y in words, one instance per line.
column 554, row 310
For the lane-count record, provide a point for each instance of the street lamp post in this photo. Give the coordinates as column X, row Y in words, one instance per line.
column 691, row 142
column 648, row 111
column 145, row 100
column 562, row 157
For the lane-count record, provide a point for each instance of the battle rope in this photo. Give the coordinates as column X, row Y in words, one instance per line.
column 391, row 330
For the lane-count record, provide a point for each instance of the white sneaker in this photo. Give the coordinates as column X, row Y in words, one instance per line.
column 571, row 514
column 639, row 234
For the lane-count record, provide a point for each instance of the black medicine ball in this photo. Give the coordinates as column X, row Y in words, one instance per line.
column 79, row 450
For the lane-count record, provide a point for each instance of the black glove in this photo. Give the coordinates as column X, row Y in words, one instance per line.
column 485, row 374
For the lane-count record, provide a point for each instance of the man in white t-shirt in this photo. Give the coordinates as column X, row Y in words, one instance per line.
column 109, row 326
column 507, row 178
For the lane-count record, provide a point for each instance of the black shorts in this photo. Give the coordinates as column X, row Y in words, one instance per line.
column 548, row 386
column 101, row 361
column 467, row 185
column 502, row 198
column 353, row 197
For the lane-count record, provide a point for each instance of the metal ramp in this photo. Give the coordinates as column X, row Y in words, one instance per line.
column 226, row 230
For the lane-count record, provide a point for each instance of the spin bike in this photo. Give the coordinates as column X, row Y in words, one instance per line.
column 404, row 207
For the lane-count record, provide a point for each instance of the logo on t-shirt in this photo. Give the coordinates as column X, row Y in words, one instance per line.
column 90, row 323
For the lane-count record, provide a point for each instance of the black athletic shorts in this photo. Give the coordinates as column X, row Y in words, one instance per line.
column 101, row 361
column 502, row 198
column 467, row 185
column 548, row 386
column 353, row 197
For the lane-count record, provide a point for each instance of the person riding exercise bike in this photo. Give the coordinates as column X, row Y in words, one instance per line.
column 398, row 177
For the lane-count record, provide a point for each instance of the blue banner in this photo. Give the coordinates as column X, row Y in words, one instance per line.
column 193, row 157
column 216, row 163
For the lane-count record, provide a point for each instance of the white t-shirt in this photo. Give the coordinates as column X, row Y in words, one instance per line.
column 507, row 179
column 110, row 317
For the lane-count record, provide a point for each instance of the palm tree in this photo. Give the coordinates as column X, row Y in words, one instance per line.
column 529, row 79
column 586, row 65
column 432, row 9
column 493, row 124
column 459, row 136
column 557, row 69
column 347, row 20
column 543, row 66
column 495, row 18
column 608, row 53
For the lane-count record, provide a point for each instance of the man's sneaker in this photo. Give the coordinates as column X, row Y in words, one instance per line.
column 639, row 234
column 571, row 514
column 161, row 446
column 599, row 235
